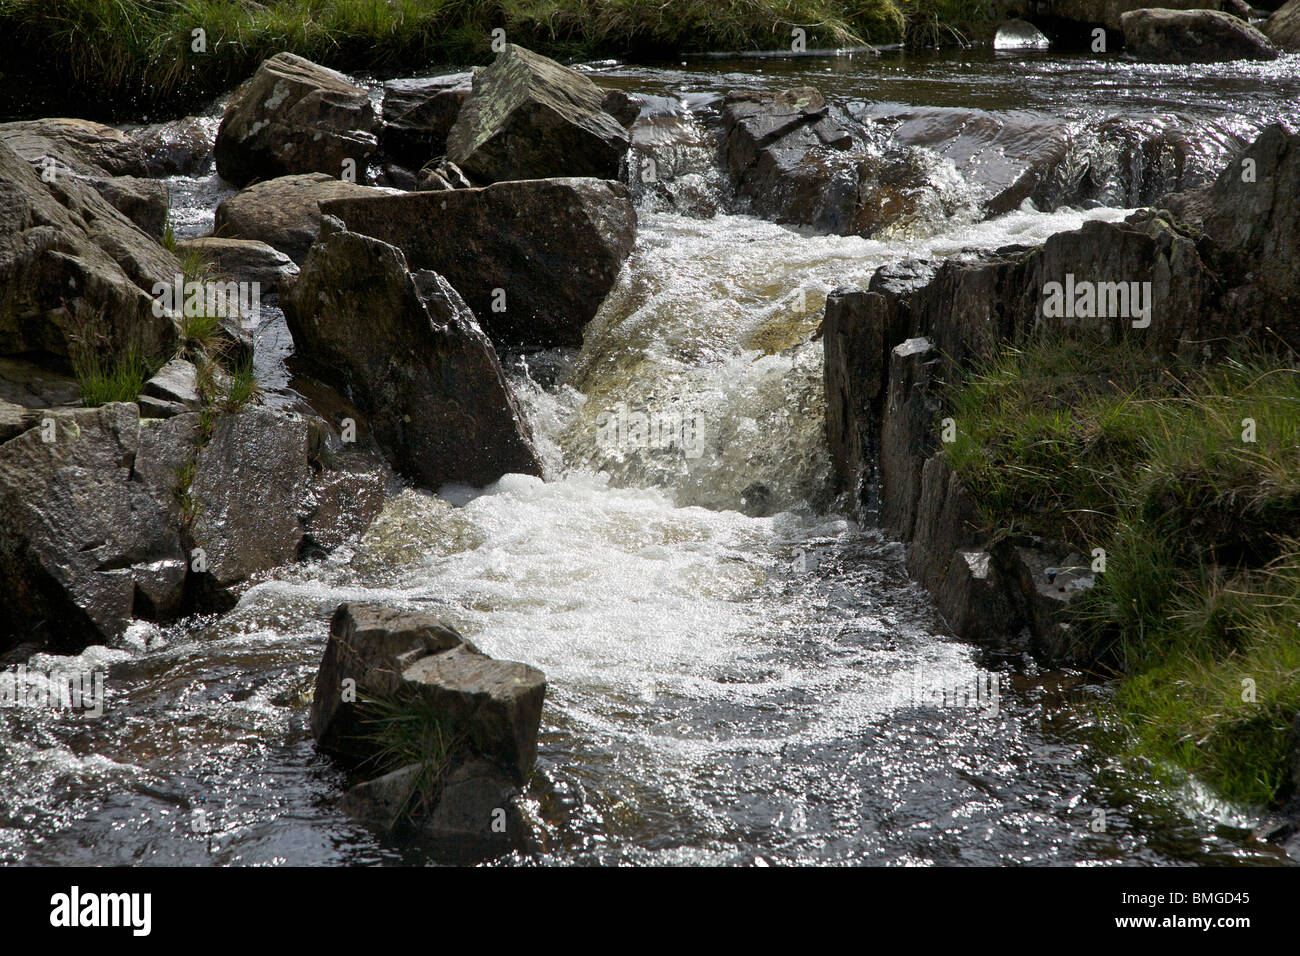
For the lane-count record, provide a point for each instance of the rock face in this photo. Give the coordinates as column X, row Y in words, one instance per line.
column 1283, row 27
column 531, row 118
column 284, row 213
column 418, row 114
column 1233, row 280
column 294, row 116
column 534, row 259
column 409, row 352
column 85, row 545
column 488, row 711
column 1193, row 36
column 75, row 274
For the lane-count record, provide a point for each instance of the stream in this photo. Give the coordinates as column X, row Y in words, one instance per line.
column 738, row 674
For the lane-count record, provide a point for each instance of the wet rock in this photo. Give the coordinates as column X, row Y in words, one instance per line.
column 381, row 653
column 909, row 432
column 284, row 213
column 84, row 546
column 172, row 390
column 385, row 802
column 250, row 482
column 800, row 160
column 243, row 260
column 1048, row 577
column 409, row 352
column 294, row 116
column 1192, row 36
column 533, row 259
column 179, row 148
column 855, row 332
column 442, row 174
column 342, row 502
column 476, row 813
column 1108, row 13
column 1254, row 216
column 528, row 117
column 1020, row 35
column 419, row 113
column 622, row 105
column 81, row 144
column 75, row 274
column 145, row 202
column 1283, row 27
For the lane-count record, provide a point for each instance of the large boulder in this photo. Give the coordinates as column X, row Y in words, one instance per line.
column 419, row 113
column 1193, row 36
column 1283, row 27
column 75, row 274
column 294, row 116
column 284, row 213
column 389, row 655
column 534, row 259
column 409, row 352
column 531, row 118
column 85, row 541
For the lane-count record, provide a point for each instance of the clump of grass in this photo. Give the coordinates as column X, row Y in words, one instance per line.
column 239, row 386
column 404, row 730
column 1189, row 478
column 119, row 379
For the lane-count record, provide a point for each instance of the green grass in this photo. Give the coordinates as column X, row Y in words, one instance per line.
column 137, row 54
column 239, row 386
column 403, row 731
column 1104, row 445
column 120, row 379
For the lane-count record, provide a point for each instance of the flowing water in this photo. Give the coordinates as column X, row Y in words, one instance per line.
column 738, row 674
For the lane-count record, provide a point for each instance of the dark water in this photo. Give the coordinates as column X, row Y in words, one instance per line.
column 724, row 688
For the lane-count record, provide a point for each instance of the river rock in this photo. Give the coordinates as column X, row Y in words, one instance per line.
column 172, row 390
column 81, row 144
column 409, row 352
column 1254, row 215
column 182, row 147
column 1283, row 27
column 243, row 260
column 251, row 484
column 528, row 117
column 384, row 653
column 1193, row 36
column 909, row 432
column 419, row 113
column 294, row 116
column 854, row 333
column 442, row 174
column 534, row 259
column 75, row 274
column 284, row 213
column 84, row 545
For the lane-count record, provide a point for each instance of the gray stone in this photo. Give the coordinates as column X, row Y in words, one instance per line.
column 419, row 113
column 243, row 260
column 531, row 118
column 1283, row 27
column 554, row 246
column 443, row 411
column 284, row 213
column 1193, row 36
column 294, row 116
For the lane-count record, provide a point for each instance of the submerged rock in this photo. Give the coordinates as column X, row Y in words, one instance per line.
column 409, row 352
column 1193, row 36
column 294, row 116
column 534, row 259
column 528, row 117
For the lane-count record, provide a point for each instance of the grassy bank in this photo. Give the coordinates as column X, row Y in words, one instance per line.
column 129, row 56
column 1189, row 478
